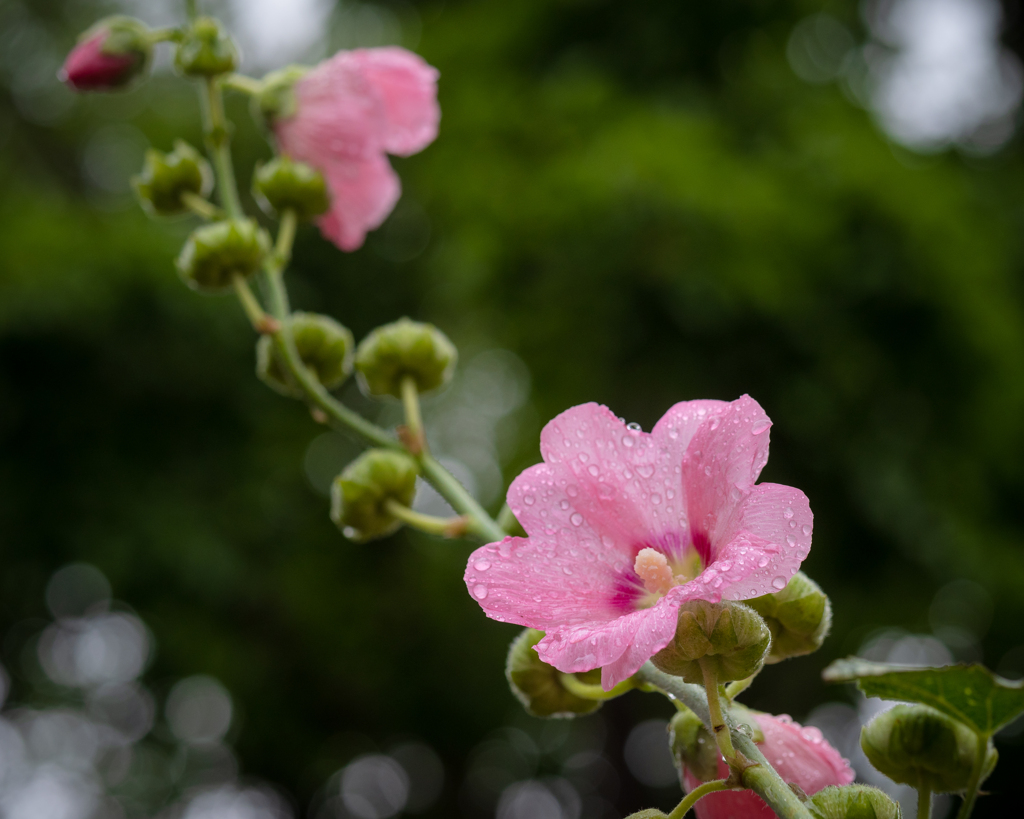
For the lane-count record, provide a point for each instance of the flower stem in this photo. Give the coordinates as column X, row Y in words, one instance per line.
column 455, row 493
column 218, row 142
column 446, row 527
column 285, row 238
column 975, row 781
column 201, row 207
column 924, row 803
column 253, row 310
column 191, row 9
column 242, row 83
column 723, row 736
column 760, row 776
column 414, row 438
column 588, row 691
column 734, row 689
column 163, row 35
column 693, row 796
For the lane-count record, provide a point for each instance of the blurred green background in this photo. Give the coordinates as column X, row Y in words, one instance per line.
column 631, row 203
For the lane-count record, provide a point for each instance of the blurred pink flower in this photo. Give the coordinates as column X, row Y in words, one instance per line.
column 800, row 755
column 624, row 526
column 89, row 68
column 352, row 110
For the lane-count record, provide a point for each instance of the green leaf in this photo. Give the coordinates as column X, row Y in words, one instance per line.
column 969, row 693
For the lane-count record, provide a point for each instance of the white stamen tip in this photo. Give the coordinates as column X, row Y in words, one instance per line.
column 652, row 568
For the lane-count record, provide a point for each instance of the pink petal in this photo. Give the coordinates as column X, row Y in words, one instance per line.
column 407, row 87
column 675, row 429
column 800, row 755
column 363, row 193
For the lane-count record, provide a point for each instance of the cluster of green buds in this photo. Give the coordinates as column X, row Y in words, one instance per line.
column 852, row 802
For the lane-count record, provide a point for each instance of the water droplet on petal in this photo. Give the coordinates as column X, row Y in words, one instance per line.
column 790, row 540
column 576, row 518
column 627, row 440
column 566, row 570
column 645, row 470
column 788, row 512
column 655, row 498
column 482, row 565
column 572, row 490
column 762, row 562
column 707, row 470
column 724, row 566
column 529, row 500
column 593, row 470
column 806, row 530
column 564, row 504
column 584, row 457
column 480, row 591
column 779, row 583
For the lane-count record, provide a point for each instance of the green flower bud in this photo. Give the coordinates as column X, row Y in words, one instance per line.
column 538, row 686
column 277, row 100
column 405, row 348
column 693, row 746
column 359, row 493
column 852, row 802
column 283, row 184
column 206, row 50
column 648, row 813
column 165, row 177
column 799, row 618
column 730, row 635
column 921, row 747
column 324, row 345
column 215, row 253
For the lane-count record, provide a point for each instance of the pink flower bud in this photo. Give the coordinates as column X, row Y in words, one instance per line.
column 108, row 56
column 800, row 755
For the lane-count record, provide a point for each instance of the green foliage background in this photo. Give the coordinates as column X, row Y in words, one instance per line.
column 640, row 200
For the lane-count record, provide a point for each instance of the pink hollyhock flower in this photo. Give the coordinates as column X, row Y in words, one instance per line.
column 800, row 755
column 109, row 56
column 351, row 111
column 624, row 526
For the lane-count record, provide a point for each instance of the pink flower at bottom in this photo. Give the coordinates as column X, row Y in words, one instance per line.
column 624, row 526
column 351, row 111
column 800, row 755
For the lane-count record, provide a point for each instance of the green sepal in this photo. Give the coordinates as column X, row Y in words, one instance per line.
column 733, row 637
column 404, row 348
column 277, row 100
column 799, row 618
column 283, row 184
column 359, row 493
column 165, row 177
column 918, row 746
column 206, row 50
column 693, row 747
column 124, row 35
column 538, row 686
column 852, row 802
column 215, row 253
column 324, row 345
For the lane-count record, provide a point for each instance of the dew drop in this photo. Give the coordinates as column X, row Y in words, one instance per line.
column 529, row 500
column 646, row 470
column 627, row 440
column 566, row 570
column 707, row 470
column 656, row 499
column 480, row 591
column 572, row 490
column 724, row 566
column 779, row 583
column 762, row 562
column 806, row 530
column 633, row 425
column 584, row 457
column 593, row 470
column 482, row 565
column 788, row 512
column 790, row 541
column 564, row 504
column 576, row 519
column 670, row 494
column 566, row 442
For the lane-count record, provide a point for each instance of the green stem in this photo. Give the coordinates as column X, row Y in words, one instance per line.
column 253, row 310
column 455, row 493
column 975, row 781
column 417, row 441
column 588, row 691
column 446, row 527
column 163, row 35
column 285, row 238
column 924, row 803
column 202, row 207
column 693, row 796
column 760, row 777
column 191, row 9
column 734, row 689
column 242, row 83
column 218, row 141
column 508, row 522
column 723, row 736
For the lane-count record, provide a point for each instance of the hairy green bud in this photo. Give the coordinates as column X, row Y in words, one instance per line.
column 165, row 178
column 206, row 50
column 404, row 348
column 852, row 802
column 731, row 636
column 538, row 686
column 214, row 254
column 648, row 813
column 283, row 184
column 921, row 747
column 799, row 618
column 693, row 746
column 324, row 345
column 359, row 494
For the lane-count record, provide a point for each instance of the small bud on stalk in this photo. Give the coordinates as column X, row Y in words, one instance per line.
column 852, row 802
column 921, row 747
column 648, row 813
column 206, row 50
column 799, row 618
column 733, row 637
column 324, row 345
column 109, row 55
column 693, row 746
column 214, row 254
column 359, row 494
column 283, row 184
column 277, row 99
column 404, row 348
column 166, row 178
column 538, row 686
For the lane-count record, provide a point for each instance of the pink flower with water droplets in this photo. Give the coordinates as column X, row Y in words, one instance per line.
column 351, row 111
column 800, row 755
column 624, row 526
